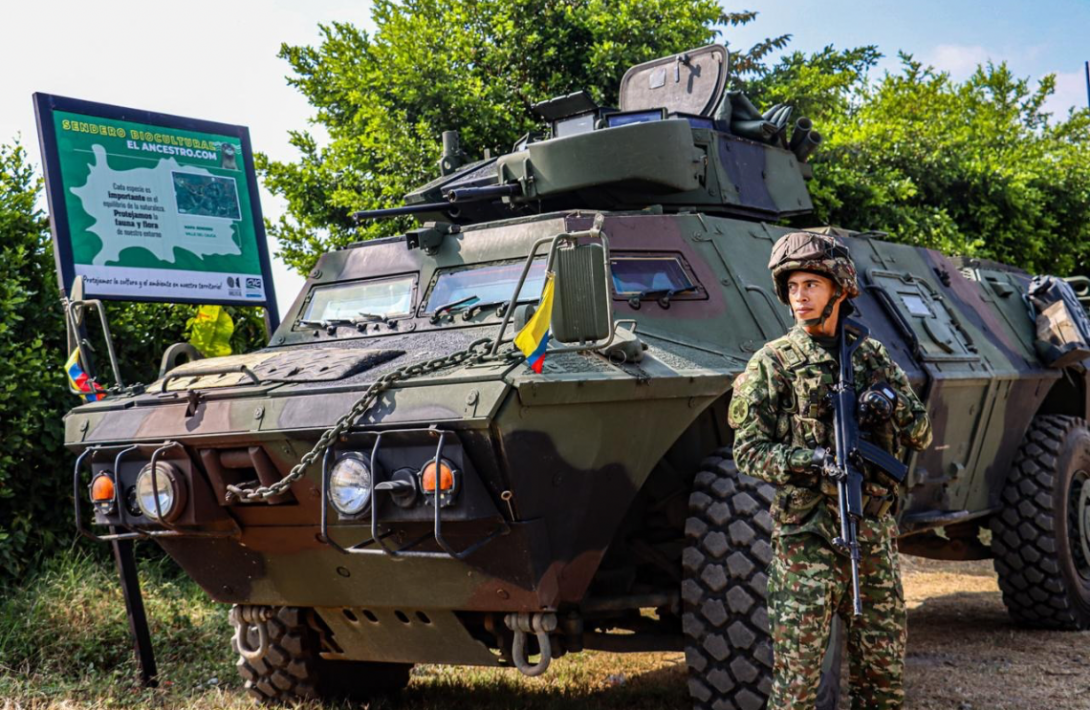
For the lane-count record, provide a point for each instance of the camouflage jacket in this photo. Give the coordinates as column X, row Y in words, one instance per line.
column 782, row 410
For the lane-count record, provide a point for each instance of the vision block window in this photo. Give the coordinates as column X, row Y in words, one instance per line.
column 387, row 298
column 915, row 304
column 638, row 276
column 483, row 284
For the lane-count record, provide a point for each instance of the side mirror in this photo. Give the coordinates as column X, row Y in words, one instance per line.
column 581, row 298
column 581, row 304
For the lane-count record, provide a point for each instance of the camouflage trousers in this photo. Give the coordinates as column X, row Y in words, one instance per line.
column 808, row 583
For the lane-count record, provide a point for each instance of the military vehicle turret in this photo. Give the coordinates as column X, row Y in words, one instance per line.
column 388, row 483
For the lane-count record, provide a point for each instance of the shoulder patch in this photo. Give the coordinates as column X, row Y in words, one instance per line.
column 738, row 412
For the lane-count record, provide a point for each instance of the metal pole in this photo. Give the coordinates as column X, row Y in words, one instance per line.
column 134, row 608
column 1088, row 84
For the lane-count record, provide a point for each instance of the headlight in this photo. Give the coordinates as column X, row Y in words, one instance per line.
column 168, row 482
column 350, row 485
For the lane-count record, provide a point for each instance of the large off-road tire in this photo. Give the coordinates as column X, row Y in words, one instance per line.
column 724, row 592
column 1041, row 539
column 292, row 669
column 727, row 644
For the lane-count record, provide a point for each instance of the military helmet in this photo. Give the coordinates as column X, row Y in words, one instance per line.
column 818, row 253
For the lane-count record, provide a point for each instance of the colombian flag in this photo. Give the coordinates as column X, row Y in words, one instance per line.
column 533, row 339
column 92, row 391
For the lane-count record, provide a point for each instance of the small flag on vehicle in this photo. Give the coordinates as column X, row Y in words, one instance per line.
column 90, row 391
column 533, row 339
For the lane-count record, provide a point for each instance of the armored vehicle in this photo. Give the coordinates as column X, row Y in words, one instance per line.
column 390, row 482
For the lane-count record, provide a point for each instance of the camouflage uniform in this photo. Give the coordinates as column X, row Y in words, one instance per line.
column 782, row 410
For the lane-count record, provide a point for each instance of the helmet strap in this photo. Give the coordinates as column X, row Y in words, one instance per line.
column 827, row 311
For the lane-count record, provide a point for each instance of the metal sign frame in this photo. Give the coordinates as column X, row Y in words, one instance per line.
column 44, row 107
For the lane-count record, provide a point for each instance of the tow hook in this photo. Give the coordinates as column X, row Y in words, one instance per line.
column 539, row 624
column 245, row 616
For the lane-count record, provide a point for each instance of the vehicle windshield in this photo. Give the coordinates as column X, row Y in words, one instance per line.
column 489, row 283
column 632, row 275
column 387, row 298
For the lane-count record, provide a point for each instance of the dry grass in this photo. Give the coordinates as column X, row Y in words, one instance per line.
column 963, row 653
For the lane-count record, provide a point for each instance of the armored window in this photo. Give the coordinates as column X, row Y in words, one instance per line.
column 387, row 297
column 652, row 275
column 493, row 282
column 915, row 304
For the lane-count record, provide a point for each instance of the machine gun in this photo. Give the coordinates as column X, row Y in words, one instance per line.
column 852, row 452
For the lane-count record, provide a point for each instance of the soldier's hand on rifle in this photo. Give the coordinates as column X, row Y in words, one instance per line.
column 824, row 463
column 876, row 405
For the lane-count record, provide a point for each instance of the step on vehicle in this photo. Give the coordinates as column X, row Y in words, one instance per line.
column 389, row 482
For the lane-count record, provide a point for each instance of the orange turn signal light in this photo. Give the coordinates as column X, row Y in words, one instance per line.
column 102, row 489
column 446, row 477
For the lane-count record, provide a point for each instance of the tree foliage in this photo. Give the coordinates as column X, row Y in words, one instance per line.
column 975, row 168
column 32, row 460
column 435, row 65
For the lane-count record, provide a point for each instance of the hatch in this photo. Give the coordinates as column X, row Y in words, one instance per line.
column 688, row 82
column 932, row 324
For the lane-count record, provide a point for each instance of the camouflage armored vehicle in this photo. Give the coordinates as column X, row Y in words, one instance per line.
column 389, row 482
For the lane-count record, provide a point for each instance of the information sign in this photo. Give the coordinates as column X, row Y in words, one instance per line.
column 151, row 207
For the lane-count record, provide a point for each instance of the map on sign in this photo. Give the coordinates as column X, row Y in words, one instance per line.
column 151, row 207
column 160, row 209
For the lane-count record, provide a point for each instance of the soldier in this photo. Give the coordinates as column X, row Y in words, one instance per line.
column 782, row 412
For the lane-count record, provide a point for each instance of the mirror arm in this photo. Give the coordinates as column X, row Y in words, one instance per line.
column 509, row 311
column 595, row 232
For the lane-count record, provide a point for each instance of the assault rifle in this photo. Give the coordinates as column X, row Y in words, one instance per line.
column 852, row 451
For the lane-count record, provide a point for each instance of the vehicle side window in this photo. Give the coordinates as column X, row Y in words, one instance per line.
column 653, row 275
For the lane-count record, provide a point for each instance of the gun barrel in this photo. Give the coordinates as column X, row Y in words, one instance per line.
column 455, row 198
column 857, row 597
column 398, row 211
column 475, row 194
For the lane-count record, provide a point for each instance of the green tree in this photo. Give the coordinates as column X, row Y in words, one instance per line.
column 31, row 359
column 470, row 65
column 974, row 168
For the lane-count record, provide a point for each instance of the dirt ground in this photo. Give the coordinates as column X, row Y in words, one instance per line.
column 965, row 653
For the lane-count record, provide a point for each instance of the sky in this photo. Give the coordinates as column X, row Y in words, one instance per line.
column 218, row 60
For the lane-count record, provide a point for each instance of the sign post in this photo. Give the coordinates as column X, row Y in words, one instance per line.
column 152, row 207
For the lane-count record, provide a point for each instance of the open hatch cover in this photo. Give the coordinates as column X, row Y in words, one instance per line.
column 690, row 82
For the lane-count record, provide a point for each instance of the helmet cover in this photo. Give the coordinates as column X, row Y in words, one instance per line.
column 816, row 253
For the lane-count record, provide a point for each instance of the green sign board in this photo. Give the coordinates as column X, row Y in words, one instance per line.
column 150, row 207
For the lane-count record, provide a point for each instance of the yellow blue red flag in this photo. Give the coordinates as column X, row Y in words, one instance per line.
column 533, row 339
column 90, row 390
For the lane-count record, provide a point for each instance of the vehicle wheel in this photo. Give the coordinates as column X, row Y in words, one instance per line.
column 291, row 669
column 724, row 591
column 1041, row 539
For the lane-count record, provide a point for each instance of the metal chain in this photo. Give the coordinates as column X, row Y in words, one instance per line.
column 473, row 354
